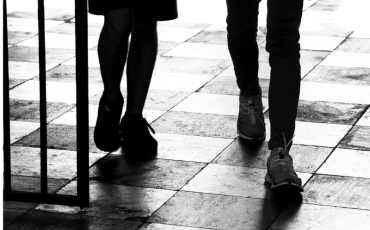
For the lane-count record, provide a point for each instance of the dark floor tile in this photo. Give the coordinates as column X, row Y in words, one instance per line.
column 204, row 66
column 350, row 192
column 155, row 173
column 67, row 73
column 339, row 75
column 44, row 220
column 156, row 99
column 50, row 14
column 30, row 54
column 59, row 137
column 326, row 5
column 357, row 138
column 355, row 45
column 32, row 184
column 245, row 153
column 15, row 37
column 217, row 211
column 18, row 205
column 22, row 110
column 197, row 124
column 329, row 112
column 15, row 82
column 11, row 215
column 93, row 29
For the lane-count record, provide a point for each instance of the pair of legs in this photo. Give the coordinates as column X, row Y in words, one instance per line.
column 112, row 51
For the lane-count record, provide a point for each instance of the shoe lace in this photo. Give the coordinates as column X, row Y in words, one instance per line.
column 252, row 113
column 282, row 151
column 148, row 125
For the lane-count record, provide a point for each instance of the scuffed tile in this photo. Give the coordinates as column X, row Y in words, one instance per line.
column 15, row 37
column 93, row 59
column 32, row 184
column 357, row 138
column 245, row 153
column 29, row 25
column 197, row 50
column 157, row 173
column 323, row 28
column 164, row 46
column 24, row 110
column 182, row 25
column 20, row 129
column 306, row 216
column 15, row 82
column 232, row 181
column 356, row 94
column 202, row 66
column 166, row 227
column 347, row 162
column 221, row 26
column 355, row 45
column 178, row 35
column 178, row 82
column 45, row 220
column 217, row 212
column 59, row 137
column 189, row 148
column 50, row 14
column 30, row 54
column 328, row 190
column 197, row 124
column 329, row 112
column 116, row 201
column 347, row 59
column 339, row 75
column 210, row 37
column 365, row 119
column 326, row 5
column 325, row 43
column 61, row 164
column 93, row 29
column 25, row 70
column 312, row 57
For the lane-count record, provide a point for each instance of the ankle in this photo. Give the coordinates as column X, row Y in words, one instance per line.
column 112, row 96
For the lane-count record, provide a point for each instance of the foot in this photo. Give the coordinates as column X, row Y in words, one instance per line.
column 136, row 136
column 106, row 134
column 251, row 123
column 280, row 172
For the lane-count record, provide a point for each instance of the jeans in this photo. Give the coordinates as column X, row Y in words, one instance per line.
column 282, row 44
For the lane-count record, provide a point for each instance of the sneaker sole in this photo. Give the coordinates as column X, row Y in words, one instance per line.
column 251, row 138
column 283, row 186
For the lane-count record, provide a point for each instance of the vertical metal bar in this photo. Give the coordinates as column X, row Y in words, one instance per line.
column 6, row 116
column 82, row 103
column 42, row 68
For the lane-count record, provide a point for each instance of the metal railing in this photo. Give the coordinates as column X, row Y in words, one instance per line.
column 82, row 198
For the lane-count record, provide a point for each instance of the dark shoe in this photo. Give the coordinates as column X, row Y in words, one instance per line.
column 280, row 172
column 251, row 123
column 106, row 134
column 136, row 137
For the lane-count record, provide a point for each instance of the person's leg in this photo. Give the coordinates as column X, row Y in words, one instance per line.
column 242, row 33
column 112, row 51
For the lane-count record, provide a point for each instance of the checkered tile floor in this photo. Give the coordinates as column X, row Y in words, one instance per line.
column 204, row 177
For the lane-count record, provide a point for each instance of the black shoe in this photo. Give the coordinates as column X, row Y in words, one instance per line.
column 106, row 134
column 136, row 136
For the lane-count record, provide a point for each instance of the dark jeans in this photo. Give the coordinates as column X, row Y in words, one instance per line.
column 283, row 21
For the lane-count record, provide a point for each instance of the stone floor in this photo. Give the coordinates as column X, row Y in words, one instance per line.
column 204, row 176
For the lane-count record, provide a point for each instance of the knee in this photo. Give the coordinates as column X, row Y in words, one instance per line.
column 119, row 23
column 145, row 30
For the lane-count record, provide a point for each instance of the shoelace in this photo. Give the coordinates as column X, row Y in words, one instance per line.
column 148, row 125
column 282, row 151
column 251, row 112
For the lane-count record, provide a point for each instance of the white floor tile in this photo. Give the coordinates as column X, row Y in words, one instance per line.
column 198, row 50
column 176, row 34
column 178, row 82
column 320, row 42
column 25, row 70
column 347, row 59
column 20, row 129
column 365, row 119
column 29, row 25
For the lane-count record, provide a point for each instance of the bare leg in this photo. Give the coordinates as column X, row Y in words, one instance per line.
column 140, row 64
column 112, row 49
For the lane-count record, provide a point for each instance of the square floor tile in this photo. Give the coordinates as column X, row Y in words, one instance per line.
column 217, row 211
column 15, row 37
column 49, row 14
column 197, row 124
column 166, row 227
column 198, row 50
column 61, row 164
column 11, row 215
column 59, row 137
column 356, row 94
column 174, row 34
column 93, row 29
column 362, row 31
column 347, row 162
column 57, row 221
column 15, row 82
column 365, row 119
column 212, row 103
column 306, row 216
column 357, row 138
column 323, row 28
column 189, row 148
column 178, row 82
column 93, row 59
column 339, row 191
column 329, row 112
column 355, row 45
column 55, row 91
column 202, row 66
column 20, row 129
column 320, row 42
column 32, row 185
column 156, row 173
column 29, row 25
column 25, row 70
column 233, row 181
column 339, row 75
column 347, row 59
column 164, row 46
column 245, row 153
column 30, row 54
column 22, row 110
